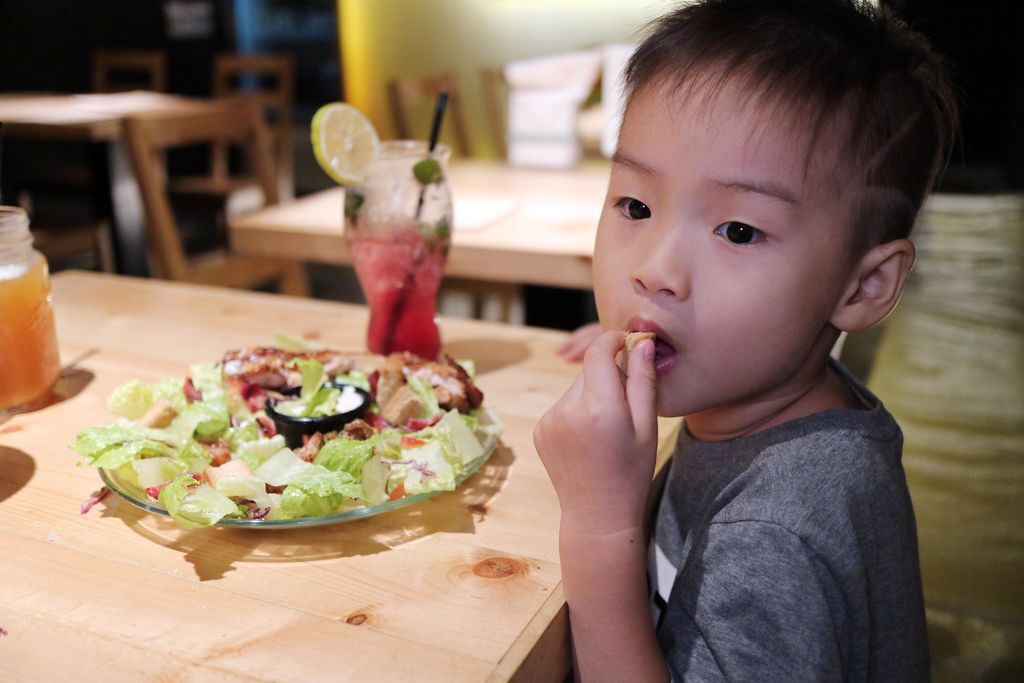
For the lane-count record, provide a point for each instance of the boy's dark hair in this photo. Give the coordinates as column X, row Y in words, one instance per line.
column 824, row 61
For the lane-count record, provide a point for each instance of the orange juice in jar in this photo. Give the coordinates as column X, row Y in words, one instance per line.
column 29, row 362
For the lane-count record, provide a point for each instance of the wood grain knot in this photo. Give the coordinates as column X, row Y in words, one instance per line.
column 357, row 619
column 499, row 568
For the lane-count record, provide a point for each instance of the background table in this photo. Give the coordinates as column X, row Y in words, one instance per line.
column 516, row 225
column 464, row 586
column 97, row 118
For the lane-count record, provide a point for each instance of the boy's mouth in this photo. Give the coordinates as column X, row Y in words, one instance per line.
column 665, row 354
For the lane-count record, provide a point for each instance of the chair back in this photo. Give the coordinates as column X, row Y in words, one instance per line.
column 121, row 70
column 404, row 93
column 495, row 90
column 269, row 82
column 148, row 136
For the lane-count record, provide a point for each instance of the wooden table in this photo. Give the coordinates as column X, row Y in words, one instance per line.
column 516, row 225
column 464, row 586
column 97, row 118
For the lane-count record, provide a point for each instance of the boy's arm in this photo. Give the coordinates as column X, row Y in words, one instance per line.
column 598, row 444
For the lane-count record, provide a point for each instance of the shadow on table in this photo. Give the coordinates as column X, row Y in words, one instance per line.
column 70, row 383
column 213, row 552
column 16, row 470
column 488, row 354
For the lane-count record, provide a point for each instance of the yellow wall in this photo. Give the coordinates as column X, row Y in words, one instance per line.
column 381, row 39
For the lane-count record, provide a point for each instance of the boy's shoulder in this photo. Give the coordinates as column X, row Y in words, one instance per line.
column 814, row 475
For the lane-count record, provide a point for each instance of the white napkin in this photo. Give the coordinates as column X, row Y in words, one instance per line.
column 545, row 95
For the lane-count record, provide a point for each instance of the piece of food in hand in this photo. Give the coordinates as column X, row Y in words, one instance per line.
column 633, row 340
column 159, row 415
column 402, row 407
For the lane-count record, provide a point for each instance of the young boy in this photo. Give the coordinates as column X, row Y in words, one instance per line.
column 773, row 156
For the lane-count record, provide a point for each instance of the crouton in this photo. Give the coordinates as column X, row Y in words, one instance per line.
column 232, row 468
column 389, row 382
column 402, row 407
column 159, row 414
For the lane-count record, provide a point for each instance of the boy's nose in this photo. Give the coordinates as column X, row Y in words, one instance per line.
column 661, row 272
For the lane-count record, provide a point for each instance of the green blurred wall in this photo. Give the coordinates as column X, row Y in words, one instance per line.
column 382, row 39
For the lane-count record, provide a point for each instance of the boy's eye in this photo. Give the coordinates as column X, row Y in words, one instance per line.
column 634, row 208
column 739, row 233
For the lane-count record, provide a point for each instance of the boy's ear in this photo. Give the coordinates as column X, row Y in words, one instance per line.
column 875, row 285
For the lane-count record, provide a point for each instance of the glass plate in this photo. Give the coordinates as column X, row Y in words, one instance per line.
column 141, row 500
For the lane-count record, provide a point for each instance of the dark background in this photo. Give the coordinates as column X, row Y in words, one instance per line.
column 983, row 40
column 47, row 44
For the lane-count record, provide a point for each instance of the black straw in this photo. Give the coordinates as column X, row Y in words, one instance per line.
column 435, row 128
column 435, row 133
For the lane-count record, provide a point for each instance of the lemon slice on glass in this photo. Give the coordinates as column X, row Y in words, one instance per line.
column 345, row 143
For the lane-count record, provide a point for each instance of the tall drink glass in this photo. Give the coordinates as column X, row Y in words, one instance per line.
column 29, row 362
column 399, row 229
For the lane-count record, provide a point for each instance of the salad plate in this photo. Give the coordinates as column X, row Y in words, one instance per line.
column 275, row 438
column 132, row 494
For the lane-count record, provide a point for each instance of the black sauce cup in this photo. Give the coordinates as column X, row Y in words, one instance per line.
column 294, row 428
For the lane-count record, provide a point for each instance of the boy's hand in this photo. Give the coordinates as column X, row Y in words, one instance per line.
column 598, row 442
column 573, row 348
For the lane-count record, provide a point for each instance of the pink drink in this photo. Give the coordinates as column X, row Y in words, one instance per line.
column 400, row 273
column 398, row 227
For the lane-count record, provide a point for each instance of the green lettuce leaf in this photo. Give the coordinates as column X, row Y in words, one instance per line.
column 130, row 400
column 430, row 469
column 424, row 391
column 111, row 446
column 345, row 455
column 318, row 491
column 155, row 471
column 245, row 432
column 255, row 453
column 193, row 505
column 282, row 468
column 355, row 378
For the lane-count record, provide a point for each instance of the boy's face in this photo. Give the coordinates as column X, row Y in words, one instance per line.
column 714, row 237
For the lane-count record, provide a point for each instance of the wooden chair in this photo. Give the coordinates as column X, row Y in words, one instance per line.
column 406, row 94
column 226, row 122
column 121, row 70
column 269, row 82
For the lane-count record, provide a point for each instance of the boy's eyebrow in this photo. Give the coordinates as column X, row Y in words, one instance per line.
column 763, row 187
column 638, row 166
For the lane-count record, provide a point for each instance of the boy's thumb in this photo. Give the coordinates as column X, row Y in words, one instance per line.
column 642, row 389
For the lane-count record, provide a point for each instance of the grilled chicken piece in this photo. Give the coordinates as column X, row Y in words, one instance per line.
column 308, row 450
column 267, row 366
column 454, row 387
column 359, row 429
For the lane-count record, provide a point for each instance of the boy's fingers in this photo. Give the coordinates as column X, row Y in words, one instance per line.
column 642, row 389
column 599, row 369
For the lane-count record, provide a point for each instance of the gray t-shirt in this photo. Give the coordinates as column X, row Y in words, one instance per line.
column 791, row 554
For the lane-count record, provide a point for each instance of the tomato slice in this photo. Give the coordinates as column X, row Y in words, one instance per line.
column 399, row 492
column 412, row 442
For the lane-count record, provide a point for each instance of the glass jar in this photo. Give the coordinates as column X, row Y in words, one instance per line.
column 398, row 226
column 29, row 361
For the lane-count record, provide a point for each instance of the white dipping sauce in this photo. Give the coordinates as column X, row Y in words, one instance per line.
column 348, row 399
